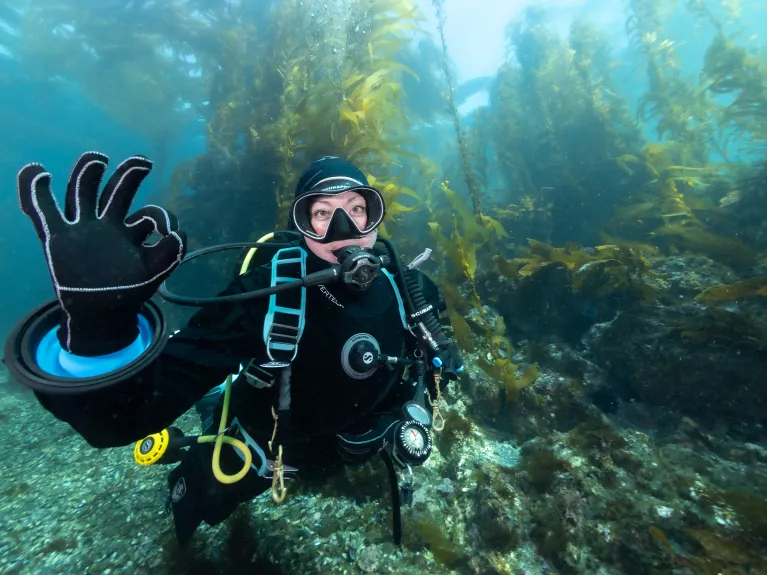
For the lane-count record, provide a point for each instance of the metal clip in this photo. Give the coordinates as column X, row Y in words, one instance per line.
column 257, row 376
column 287, row 345
column 437, row 420
column 407, row 487
column 279, row 491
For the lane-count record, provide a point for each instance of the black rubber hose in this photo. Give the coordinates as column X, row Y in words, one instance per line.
column 414, row 297
column 322, row 276
column 396, row 514
column 429, row 319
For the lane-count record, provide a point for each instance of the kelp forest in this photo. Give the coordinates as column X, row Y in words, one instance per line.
column 599, row 231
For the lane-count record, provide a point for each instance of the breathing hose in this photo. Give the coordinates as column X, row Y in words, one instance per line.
column 416, row 302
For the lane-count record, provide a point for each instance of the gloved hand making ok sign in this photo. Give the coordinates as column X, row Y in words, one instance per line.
column 102, row 267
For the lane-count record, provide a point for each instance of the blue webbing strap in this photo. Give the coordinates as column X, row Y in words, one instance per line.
column 401, row 305
column 285, row 317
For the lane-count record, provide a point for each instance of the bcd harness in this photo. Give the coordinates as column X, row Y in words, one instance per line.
column 282, row 331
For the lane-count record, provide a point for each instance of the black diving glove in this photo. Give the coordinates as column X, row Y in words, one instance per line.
column 102, row 267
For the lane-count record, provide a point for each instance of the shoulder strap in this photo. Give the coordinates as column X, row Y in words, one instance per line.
column 285, row 317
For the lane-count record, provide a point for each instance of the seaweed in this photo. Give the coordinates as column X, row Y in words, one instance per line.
column 427, row 531
column 718, row 554
column 692, row 236
column 282, row 99
column 726, row 292
column 550, row 536
column 504, row 371
column 456, row 428
column 470, row 234
column 541, row 467
column 751, row 509
column 595, row 434
column 680, row 108
column 494, row 527
column 470, row 178
column 599, row 272
column 150, row 91
column 730, row 70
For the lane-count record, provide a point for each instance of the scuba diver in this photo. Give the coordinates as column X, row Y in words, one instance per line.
column 324, row 350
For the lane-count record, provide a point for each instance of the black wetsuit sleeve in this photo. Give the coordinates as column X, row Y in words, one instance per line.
column 197, row 358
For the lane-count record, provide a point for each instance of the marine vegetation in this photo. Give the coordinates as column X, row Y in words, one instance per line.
column 548, row 97
column 146, row 75
column 283, row 98
column 599, row 228
column 471, row 180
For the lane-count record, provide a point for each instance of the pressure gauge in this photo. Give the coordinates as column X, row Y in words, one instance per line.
column 412, row 444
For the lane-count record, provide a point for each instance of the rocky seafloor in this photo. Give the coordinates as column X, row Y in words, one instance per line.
column 638, row 450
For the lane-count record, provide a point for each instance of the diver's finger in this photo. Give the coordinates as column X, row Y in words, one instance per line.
column 142, row 228
column 121, row 188
column 37, row 201
column 165, row 256
column 151, row 219
column 83, row 186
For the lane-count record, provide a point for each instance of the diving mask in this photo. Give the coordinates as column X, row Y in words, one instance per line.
column 342, row 226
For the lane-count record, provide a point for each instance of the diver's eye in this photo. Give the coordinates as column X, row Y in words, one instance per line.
column 358, row 209
column 320, row 214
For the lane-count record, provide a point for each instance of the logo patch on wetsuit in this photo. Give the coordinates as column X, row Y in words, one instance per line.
column 355, row 368
column 179, row 490
column 330, row 296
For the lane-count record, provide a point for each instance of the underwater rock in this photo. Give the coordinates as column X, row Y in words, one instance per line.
column 542, row 305
column 494, row 526
column 559, row 292
column 687, row 275
column 484, row 394
column 481, row 322
column 709, row 363
column 558, row 357
column 445, row 487
column 368, row 559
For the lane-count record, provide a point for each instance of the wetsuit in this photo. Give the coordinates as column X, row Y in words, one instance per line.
column 327, row 397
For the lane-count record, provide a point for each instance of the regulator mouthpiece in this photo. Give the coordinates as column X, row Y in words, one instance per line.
column 359, row 266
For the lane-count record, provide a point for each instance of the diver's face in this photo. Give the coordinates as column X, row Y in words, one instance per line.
column 322, row 212
column 352, row 202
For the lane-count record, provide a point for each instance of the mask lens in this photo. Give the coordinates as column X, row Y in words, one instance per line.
column 374, row 206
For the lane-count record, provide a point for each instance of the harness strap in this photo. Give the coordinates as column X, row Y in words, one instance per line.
column 286, row 315
column 261, row 468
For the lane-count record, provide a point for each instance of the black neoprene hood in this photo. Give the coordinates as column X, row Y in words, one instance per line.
column 331, row 175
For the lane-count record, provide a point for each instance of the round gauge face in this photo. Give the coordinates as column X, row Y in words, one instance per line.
column 418, row 413
column 413, row 439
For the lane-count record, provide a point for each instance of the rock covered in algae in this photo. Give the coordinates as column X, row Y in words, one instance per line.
column 701, row 361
